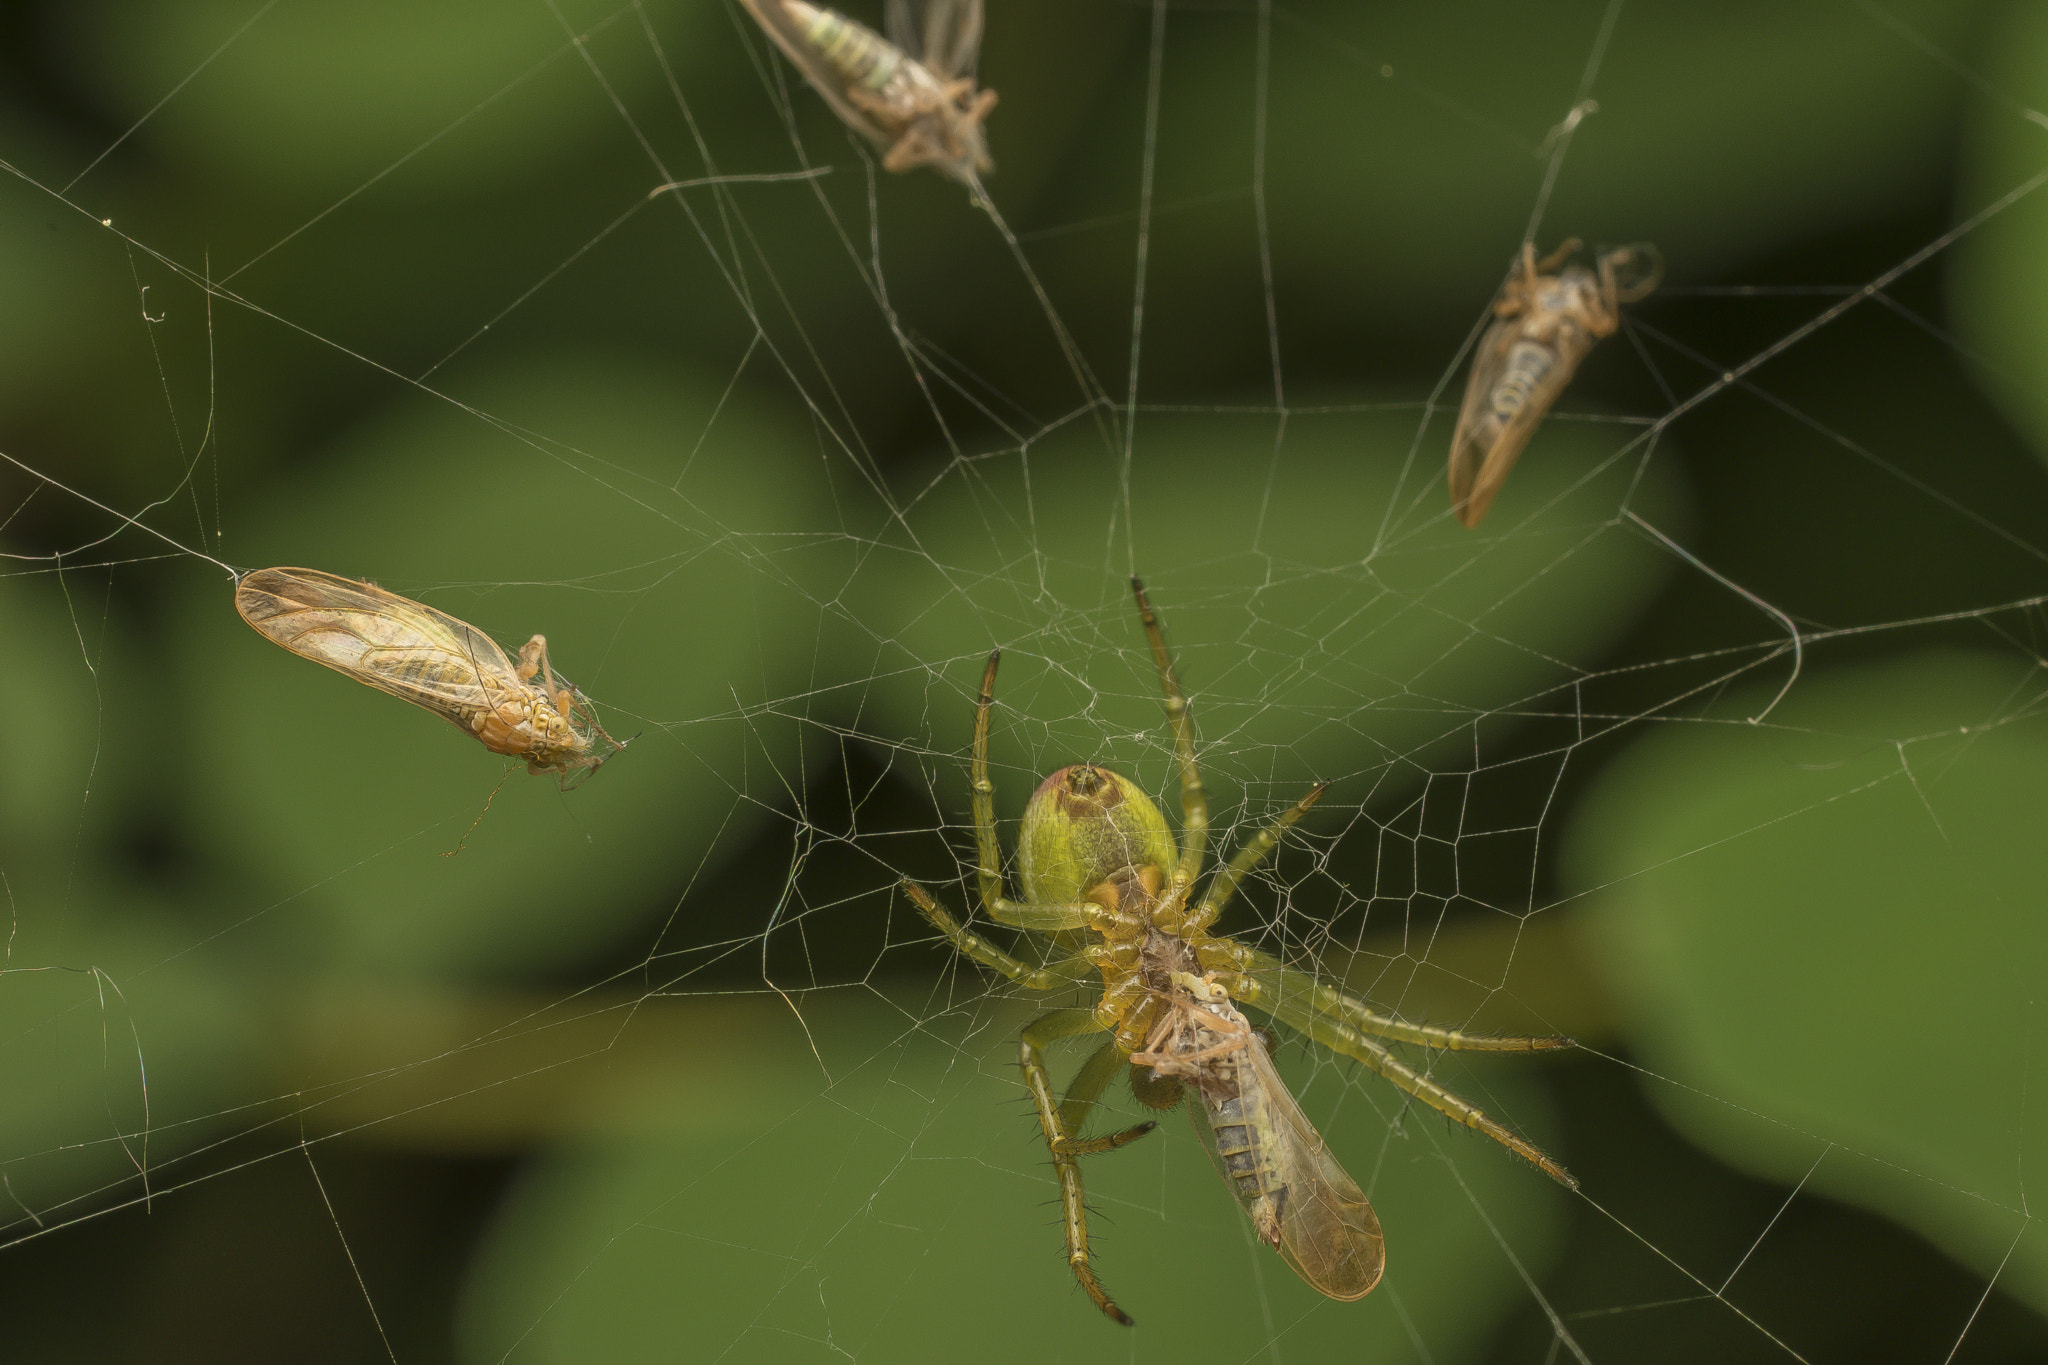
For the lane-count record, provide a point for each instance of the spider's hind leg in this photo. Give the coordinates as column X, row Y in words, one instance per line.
column 1274, row 981
column 1054, row 1118
column 1296, row 1012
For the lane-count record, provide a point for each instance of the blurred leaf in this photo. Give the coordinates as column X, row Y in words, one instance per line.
column 1998, row 280
column 1402, row 140
column 903, row 1215
column 118, row 1064
column 320, row 96
column 1827, row 937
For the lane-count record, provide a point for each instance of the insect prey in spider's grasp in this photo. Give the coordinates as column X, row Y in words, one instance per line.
column 1545, row 322
column 1112, row 894
column 434, row 661
column 911, row 94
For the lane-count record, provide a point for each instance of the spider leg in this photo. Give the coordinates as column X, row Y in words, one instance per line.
column 1276, row 980
column 1295, row 1012
column 1084, row 1090
column 1053, row 975
column 1046, row 1028
column 988, row 850
column 988, row 859
column 1194, row 802
column 1255, row 851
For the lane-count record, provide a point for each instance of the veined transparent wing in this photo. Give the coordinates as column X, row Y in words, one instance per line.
column 1515, row 379
column 943, row 34
column 1300, row 1201
column 380, row 639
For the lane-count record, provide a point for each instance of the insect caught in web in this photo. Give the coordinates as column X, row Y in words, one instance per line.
column 434, row 661
column 1103, row 877
column 911, row 94
column 1545, row 324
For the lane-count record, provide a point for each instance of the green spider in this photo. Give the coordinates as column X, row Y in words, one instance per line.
column 1096, row 859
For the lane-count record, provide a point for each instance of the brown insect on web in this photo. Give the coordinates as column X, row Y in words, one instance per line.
column 1546, row 320
column 435, row 661
column 912, row 93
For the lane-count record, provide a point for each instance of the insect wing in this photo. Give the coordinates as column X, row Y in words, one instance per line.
column 790, row 28
column 945, row 35
column 1328, row 1232
column 1485, row 446
column 388, row 642
column 1475, row 438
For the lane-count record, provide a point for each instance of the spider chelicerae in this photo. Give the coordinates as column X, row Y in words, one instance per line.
column 1102, row 876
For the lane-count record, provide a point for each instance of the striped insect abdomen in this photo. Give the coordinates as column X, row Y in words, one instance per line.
column 860, row 55
column 1242, row 1124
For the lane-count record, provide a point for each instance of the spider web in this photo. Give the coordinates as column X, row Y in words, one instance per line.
column 1718, row 746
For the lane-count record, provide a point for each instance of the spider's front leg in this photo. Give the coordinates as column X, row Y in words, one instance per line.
column 1063, row 972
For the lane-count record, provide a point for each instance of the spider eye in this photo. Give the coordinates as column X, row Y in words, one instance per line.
column 1084, row 782
column 1084, row 826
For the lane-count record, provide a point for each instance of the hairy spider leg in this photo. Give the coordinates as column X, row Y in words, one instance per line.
column 988, row 853
column 1057, row 1121
column 1295, row 1012
column 1274, row 977
column 1081, row 1096
column 1089, row 1082
column 1255, row 851
column 1060, row 972
column 1194, row 801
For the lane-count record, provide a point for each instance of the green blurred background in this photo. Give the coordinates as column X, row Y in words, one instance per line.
column 663, row 1068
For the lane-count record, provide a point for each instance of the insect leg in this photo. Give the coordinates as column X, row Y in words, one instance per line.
column 533, row 657
column 1564, row 252
column 1254, row 852
column 1344, row 1039
column 1276, row 980
column 1055, row 1024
